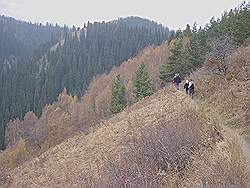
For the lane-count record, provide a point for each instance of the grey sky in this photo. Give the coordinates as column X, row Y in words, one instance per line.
column 173, row 13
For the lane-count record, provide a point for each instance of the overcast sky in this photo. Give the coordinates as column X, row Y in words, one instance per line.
column 172, row 13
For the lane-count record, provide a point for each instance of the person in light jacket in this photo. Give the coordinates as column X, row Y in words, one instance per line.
column 186, row 86
column 191, row 87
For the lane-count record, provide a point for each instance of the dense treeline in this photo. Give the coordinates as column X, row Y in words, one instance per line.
column 134, row 21
column 219, row 36
column 96, row 49
column 28, row 84
column 67, row 116
column 21, row 44
column 192, row 46
column 19, row 38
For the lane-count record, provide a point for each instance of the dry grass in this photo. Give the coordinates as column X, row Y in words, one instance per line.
column 226, row 100
column 150, row 145
column 164, row 140
column 228, row 94
column 224, row 165
column 65, row 117
column 15, row 156
column 96, row 100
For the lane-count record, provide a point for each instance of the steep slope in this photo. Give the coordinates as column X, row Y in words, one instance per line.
column 19, row 38
column 18, row 41
column 28, row 84
column 162, row 123
column 63, row 118
column 108, row 140
column 96, row 100
column 95, row 49
column 60, row 120
column 168, row 138
column 228, row 93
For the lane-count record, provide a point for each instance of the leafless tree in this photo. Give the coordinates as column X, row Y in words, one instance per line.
column 221, row 48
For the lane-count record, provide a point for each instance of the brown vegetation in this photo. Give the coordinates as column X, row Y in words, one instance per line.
column 20, row 129
column 227, row 94
column 31, row 137
column 82, row 155
column 97, row 99
column 146, row 145
column 65, row 117
column 223, row 165
column 166, row 139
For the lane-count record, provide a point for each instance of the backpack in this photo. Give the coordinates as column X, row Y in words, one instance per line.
column 186, row 86
column 179, row 79
column 192, row 86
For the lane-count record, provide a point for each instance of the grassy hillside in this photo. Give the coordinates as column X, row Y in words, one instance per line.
column 227, row 94
column 156, row 143
column 31, row 137
column 166, row 139
column 68, row 61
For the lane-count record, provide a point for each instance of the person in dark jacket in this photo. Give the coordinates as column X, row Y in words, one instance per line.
column 186, row 86
column 191, row 86
column 177, row 81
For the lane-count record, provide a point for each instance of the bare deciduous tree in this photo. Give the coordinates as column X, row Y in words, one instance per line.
column 221, row 48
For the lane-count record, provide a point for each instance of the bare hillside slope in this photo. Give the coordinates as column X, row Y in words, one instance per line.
column 67, row 116
column 166, row 139
column 131, row 148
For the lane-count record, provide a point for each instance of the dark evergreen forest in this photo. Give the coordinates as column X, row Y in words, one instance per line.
column 37, row 62
column 19, row 38
column 215, row 41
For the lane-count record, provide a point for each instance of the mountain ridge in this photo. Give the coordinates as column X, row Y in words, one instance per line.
column 166, row 139
column 108, row 135
column 71, row 64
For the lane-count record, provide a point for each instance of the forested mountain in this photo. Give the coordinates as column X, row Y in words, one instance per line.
column 30, row 82
column 135, row 21
column 215, row 41
column 165, row 139
column 19, row 38
column 21, row 44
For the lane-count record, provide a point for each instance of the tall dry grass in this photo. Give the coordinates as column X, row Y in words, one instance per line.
column 224, row 165
column 161, row 152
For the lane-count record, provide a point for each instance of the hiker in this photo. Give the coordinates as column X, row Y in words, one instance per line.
column 186, row 86
column 177, row 81
column 191, row 86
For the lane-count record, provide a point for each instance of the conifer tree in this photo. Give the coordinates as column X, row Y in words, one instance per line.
column 173, row 64
column 171, row 36
column 142, row 84
column 179, row 34
column 196, row 51
column 187, row 31
column 118, row 102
